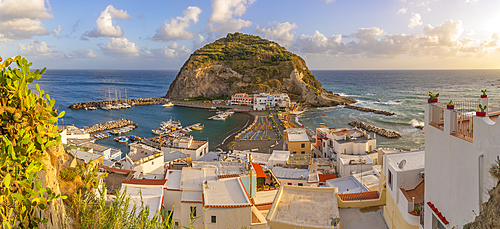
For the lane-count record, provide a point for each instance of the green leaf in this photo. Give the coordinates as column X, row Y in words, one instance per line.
column 18, row 196
column 61, row 114
column 6, row 180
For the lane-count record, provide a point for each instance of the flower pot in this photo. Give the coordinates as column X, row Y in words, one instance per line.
column 432, row 101
column 478, row 113
column 484, row 96
column 450, row 107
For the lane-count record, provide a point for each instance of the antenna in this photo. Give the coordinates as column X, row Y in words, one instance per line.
column 402, row 164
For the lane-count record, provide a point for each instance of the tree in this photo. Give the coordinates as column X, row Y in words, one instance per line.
column 232, row 147
column 27, row 123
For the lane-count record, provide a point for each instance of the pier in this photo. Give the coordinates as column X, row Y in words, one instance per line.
column 131, row 102
column 379, row 131
column 108, row 125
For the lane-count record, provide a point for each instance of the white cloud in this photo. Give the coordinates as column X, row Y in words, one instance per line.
column 173, row 51
column 442, row 40
column 84, row 53
column 104, row 23
column 415, row 20
column 120, row 47
column 329, row 1
column 471, row 1
column 402, row 10
column 176, row 29
column 57, row 31
column 20, row 19
column 471, row 32
column 223, row 13
column 36, row 48
column 280, row 32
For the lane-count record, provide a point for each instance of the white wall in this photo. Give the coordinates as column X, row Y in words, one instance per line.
column 149, row 166
column 228, row 217
column 452, row 169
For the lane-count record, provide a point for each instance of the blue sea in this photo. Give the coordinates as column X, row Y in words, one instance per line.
column 401, row 92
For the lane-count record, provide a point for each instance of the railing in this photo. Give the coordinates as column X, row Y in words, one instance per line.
column 465, row 124
column 422, row 218
column 437, row 114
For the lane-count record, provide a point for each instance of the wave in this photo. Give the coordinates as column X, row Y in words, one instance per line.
column 416, row 123
column 391, row 102
column 393, row 122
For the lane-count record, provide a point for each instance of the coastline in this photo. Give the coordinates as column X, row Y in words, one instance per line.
column 226, row 143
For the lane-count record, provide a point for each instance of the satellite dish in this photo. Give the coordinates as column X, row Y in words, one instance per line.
column 402, row 164
column 335, row 221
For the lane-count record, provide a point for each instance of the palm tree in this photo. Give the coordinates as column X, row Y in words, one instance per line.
column 232, row 146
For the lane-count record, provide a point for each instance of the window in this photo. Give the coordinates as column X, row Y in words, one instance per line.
column 214, row 219
column 302, row 152
column 390, row 179
column 294, row 152
column 201, row 154
column 303, row 145
column 193, row 211
column 289, row 183
column 152, row 163
column 370, row 148
column 345, row 151
column 300, row 184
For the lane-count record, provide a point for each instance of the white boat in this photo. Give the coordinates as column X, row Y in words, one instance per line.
column 219, row 117
column 107, row 107
column 169, row 104
column 92, row 108
column 126, row 105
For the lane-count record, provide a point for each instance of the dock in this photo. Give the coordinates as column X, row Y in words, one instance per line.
column 108, row 125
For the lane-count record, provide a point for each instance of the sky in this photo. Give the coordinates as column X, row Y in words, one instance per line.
column 328, row 34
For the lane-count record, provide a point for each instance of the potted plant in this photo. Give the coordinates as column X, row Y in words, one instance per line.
column 450, row 105
column 433, row 98
column 484, row 94
column 482, row 112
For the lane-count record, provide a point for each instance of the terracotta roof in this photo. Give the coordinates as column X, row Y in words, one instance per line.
column 359, row 196
column 438, row 213
column 417, row 192
column 228, row 176
column 259, row 171
column 145, row 181
column 117, row 170
column 325, row 177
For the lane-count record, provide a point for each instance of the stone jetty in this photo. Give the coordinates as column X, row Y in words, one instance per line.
column 132, row 102
column 379, row 131
column 108, row 125
column 369, row 110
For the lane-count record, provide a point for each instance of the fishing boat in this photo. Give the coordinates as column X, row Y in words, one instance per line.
column 121, row 139
column 198, row 127
column 169, row 104
column 107, row 107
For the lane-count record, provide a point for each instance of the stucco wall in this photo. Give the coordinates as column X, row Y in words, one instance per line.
column 228, row 217
column 295, row 146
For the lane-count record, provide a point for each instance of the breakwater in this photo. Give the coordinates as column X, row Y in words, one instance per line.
column 369, row 110
column 108, row 125
column 132, row 102
column 379, row 131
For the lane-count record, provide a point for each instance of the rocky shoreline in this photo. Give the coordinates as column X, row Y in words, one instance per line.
column 132, row 102
column 369, row 110
column 379, row 131
column 108, row 125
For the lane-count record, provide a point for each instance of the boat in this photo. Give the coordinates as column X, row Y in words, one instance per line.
column 169, row 104
column 107, row 107
column 126, row 105
column 121, row 139
column 198, row 127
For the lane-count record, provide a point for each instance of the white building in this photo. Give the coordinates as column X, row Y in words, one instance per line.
column 73, row 132
column 146, row 161
column 348, row 165
column 259, row 102
column 195, row 149
column 278, row 158
column 403, row 172
column 107, row 152
column 281, row 100
column 145, row 191
column 460, row 148
column 297, row 177
column 331, row 142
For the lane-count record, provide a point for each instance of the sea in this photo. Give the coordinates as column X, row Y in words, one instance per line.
column 403, row 92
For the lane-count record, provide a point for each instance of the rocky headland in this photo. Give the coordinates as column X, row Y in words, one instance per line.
column 240, row 63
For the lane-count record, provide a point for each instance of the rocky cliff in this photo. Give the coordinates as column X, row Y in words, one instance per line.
column 242, row 63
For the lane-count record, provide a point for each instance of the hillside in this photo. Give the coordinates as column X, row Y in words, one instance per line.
column 242, row 63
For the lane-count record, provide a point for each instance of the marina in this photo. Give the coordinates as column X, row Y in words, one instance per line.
column 221, row 116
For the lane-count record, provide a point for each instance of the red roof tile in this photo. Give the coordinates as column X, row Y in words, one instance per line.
column 359, row 196
column 258, row 170
column 117, row 170
column 145, row 181
column 227, row 176
column 325, row 177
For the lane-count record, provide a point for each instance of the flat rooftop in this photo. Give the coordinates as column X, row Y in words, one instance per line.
column 347, row 184
column 223, row 167
column 297, row 135
column 369, row 179
column 304, row 207
column 142, row 152
column 173, row 179
column 348, row 131
column 192, row 178
column 355, row 159
column 414, row 160
column 355, row 218
column 291, row 173
column 191, row 196
column 85, row 156
column 279, row 155
column 95, row 146
column 225, row 193
column 265, row 197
